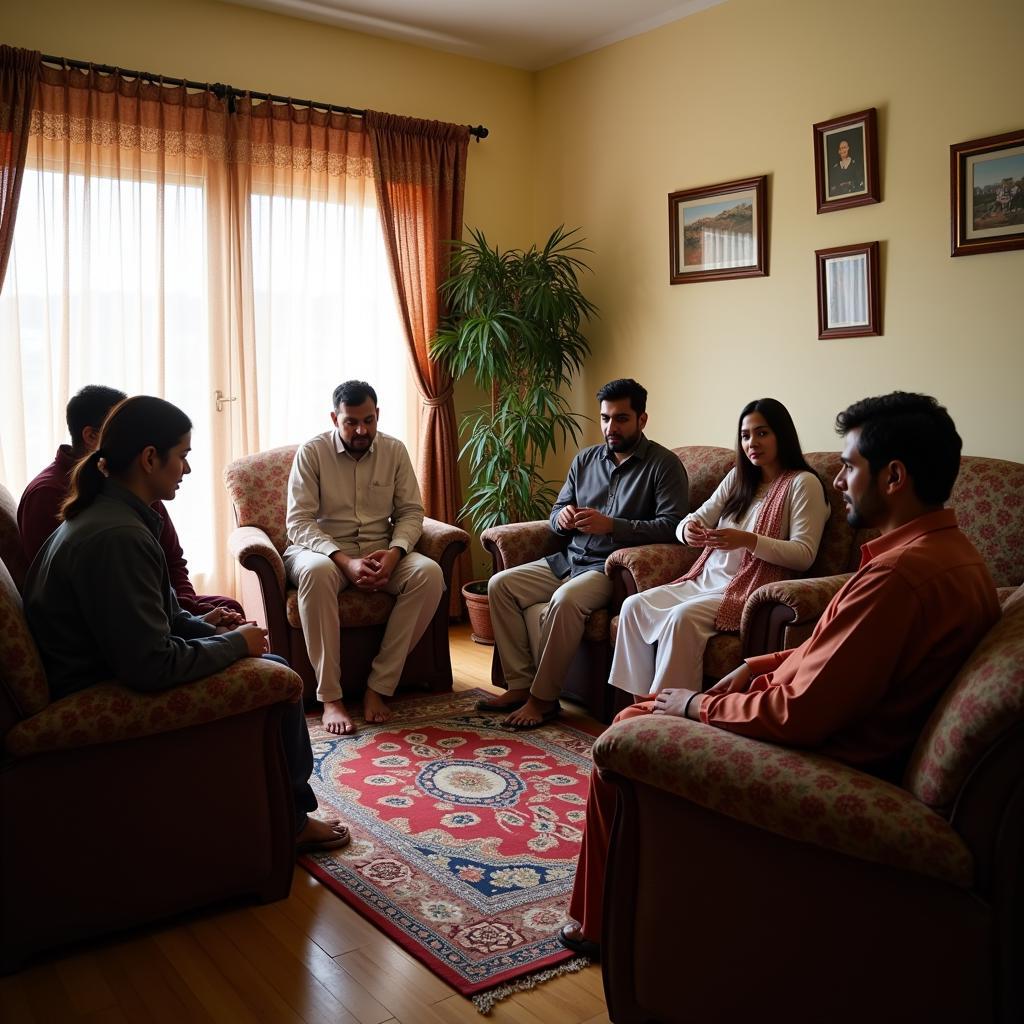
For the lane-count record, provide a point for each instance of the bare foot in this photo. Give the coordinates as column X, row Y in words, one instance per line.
column 336, row 719
column 321, row 835
column 533, row 712
column 374, row 708
column 507, row 697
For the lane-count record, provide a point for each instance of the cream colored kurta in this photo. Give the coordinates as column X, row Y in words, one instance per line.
column 663, row 631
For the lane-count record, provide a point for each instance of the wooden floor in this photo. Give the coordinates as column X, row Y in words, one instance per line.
column 307, row 958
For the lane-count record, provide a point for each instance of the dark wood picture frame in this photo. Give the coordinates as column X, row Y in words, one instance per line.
column 748, row 249
column 836, row 187
column 998, row 194
column 862, row 315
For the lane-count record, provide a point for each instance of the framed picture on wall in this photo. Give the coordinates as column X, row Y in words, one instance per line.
column 718, row 231
column 846, row 161
column 848, row 295
column 986, row 192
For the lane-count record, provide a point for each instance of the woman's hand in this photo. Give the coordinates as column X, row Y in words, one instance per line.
column 728, row 539
column 694, row 533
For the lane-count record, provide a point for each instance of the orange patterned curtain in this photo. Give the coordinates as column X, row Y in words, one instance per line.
column 420, row 173
column 19, row 73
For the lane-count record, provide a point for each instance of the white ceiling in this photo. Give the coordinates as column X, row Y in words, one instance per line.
column 530, row 34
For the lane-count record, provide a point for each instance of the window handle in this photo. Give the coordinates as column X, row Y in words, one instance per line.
column 221, row 401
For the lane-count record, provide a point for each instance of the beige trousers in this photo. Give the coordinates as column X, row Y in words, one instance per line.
column 538, row 622
column 417, row 584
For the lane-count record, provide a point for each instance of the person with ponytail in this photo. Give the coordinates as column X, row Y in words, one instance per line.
column 763, row 523
column 98, row 596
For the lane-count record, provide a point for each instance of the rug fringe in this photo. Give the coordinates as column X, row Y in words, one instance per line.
column 484, row 1001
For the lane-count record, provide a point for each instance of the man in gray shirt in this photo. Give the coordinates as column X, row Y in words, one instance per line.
column 625, row 492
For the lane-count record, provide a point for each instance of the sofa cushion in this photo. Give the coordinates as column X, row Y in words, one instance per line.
column 108, row 713
column 354, row 608
column 258, row 485
column 985, row 699
column 987, row 497
column 20, row 666
column 799, row 795
column 706, row 466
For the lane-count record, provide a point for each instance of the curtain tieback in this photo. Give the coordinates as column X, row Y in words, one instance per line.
column 440, row 400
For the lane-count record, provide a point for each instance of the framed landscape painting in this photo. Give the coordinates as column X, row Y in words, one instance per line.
column 987, row 194
column 718, row 231
column 848, row 294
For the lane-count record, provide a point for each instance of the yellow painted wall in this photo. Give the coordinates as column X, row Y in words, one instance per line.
column 732, row 92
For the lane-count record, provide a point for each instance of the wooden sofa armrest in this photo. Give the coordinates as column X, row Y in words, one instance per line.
column 519, row 543
column 774, row 611
column 110, row 713
column 640, row 568
column 800, row 795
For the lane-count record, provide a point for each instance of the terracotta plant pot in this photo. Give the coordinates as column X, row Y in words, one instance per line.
column 474, row 594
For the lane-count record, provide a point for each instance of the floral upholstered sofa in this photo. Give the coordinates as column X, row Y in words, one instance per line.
column 813, row 891
column 118, row 807
column 988, row 498
column 258, row 486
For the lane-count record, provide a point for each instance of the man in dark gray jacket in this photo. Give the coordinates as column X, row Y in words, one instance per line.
column 625, row 492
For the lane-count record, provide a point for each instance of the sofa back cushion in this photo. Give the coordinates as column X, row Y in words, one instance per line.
column 988, row 498
column 258, row 485
column 21, row 670
column 706, row 466
column 12, row 554
column 983, row 702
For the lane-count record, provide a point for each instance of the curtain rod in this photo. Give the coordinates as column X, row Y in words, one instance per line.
column 221, row 90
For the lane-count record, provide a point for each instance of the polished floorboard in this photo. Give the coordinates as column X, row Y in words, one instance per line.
column 309, row 958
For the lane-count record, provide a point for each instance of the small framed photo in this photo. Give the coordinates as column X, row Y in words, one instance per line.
column 846, row 161
column 986, row 191
column 718, row 231
column 848, row 296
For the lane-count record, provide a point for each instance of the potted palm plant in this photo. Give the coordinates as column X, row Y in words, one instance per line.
column 515, row 323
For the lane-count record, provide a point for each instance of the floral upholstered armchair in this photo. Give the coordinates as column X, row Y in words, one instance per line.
column 116, row 806
column 826, row 893
column 258, row 486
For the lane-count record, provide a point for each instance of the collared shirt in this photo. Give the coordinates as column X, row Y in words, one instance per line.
column 38, row 518
column 337, row 502
column 646, row 496
column 860, row 688
column 99, row 603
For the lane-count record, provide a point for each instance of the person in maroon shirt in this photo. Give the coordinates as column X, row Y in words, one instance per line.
column 40, row 503
column 862, row 686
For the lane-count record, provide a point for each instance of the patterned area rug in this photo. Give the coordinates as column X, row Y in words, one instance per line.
column 464, row 837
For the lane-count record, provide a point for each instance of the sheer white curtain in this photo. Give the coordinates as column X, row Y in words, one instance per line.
column 325, row 312
column 156, row 253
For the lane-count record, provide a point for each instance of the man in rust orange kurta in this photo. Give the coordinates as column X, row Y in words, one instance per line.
column 890, row 641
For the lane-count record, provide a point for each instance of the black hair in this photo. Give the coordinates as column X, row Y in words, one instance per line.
column 748, row 476
column 625, row 387
column 913, row 429
column 131, row 426
column 353, row 392
column 89, row 408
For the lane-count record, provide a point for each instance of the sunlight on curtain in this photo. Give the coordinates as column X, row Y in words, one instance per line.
column 325, row 312
column 107, row 285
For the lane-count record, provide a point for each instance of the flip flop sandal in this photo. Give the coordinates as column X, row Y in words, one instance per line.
column 578, row 944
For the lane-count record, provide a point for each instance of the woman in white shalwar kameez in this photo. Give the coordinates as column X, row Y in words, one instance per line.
column 763, row 523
